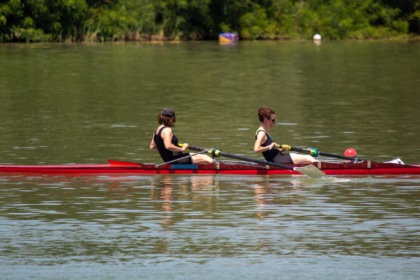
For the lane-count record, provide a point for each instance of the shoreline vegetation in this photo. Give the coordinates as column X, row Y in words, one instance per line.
column 93, row 21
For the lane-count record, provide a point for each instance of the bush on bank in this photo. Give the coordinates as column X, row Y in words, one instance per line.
column 136, row 20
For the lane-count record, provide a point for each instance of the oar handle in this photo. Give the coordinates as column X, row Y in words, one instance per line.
column 217, row 152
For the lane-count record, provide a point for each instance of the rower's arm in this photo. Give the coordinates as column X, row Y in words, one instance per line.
column 260, row 139
column 167, row 140
column 152, row 145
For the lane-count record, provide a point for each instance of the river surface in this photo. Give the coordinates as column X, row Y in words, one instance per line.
column 89, row 103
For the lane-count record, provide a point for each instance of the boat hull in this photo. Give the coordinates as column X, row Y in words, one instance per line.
column 120, row 167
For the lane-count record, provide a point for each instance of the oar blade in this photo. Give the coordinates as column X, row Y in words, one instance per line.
column 311, row 171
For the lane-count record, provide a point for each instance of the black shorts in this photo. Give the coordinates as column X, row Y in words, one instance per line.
column 283, row 159
column 182, row 161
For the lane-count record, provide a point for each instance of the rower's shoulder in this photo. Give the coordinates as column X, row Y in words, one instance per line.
column 163, row 129
column 260, row 129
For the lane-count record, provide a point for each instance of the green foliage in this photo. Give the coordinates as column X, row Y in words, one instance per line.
column 110, row 20
column 30, row 34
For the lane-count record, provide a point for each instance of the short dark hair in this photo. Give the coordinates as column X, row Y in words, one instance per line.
column 166, row 120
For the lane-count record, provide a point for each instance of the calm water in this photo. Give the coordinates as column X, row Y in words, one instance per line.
column 88, row 103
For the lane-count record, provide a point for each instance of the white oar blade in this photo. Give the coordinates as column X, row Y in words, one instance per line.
column 311, row 171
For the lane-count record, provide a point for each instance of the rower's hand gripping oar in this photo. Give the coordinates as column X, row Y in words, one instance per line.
column 315, row 152
column 309, row 170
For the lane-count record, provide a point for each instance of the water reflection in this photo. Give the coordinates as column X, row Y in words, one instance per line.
column 272, row 191
column 52, row 220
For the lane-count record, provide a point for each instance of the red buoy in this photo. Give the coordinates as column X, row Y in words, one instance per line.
column 350, row 152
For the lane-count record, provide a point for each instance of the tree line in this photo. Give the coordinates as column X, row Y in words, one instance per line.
column 136, row 20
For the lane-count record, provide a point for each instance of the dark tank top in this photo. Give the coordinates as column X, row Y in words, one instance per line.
column 273, row 155
column 166, row 154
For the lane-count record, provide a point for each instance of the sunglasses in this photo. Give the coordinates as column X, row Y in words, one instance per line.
column 273, row 120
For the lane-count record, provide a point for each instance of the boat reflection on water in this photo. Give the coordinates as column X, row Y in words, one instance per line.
column 274, row 192
column 168, row 199
column 263, row 197
column 180, row 196
column 106, row 197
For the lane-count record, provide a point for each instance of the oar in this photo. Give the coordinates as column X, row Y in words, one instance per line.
column 309, row 170
column 178, row 159
column 315, row 152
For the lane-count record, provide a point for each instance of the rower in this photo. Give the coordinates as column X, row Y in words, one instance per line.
column 166, row 143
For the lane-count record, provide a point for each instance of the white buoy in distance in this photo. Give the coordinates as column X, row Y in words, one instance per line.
column 317, row 37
